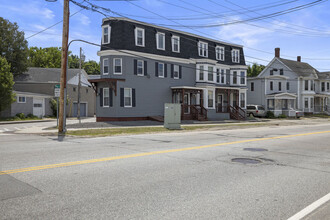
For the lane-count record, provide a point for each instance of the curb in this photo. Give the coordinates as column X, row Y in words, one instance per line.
column 27, row 121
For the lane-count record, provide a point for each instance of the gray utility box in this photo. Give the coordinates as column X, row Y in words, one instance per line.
column 172, row 116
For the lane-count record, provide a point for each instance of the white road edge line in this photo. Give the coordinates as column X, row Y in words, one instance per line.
column 309, row 209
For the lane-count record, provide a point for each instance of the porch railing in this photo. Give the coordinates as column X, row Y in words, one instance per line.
column 197, row 112
column 236, row 112
column 319, row 108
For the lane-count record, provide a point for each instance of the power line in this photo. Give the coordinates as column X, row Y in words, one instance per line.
column 95, row 7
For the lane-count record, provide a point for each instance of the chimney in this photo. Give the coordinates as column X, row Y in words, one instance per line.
column 277, row 52
column 299, row 58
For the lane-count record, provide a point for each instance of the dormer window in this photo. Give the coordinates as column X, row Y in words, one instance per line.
column 202, row 49
column 139, row 37
column 160, row 41
column 176, row 44
column 106, row 30
column 220, row 53
column 235, row 56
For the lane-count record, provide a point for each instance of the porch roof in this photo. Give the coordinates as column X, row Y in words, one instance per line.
column 283, row 95
column 187, row 87
column 321, row 95
column 226, row 87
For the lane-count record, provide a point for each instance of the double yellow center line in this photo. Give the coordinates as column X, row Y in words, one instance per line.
column 50, row 166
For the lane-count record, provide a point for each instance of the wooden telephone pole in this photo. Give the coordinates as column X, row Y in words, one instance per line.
column 64, row 63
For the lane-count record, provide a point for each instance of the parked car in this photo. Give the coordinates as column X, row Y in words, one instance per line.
column 255, row 111
column 299, row 114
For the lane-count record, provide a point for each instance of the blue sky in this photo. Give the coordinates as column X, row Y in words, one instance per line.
column 305, row 32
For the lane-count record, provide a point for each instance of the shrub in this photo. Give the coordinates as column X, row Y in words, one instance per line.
column 32, row 116
column 270, row 114
column 53, row 106
column 20, row 115
column 282, row 116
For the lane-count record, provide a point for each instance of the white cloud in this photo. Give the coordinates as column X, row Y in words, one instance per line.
column 31, row 8
column 84, row 19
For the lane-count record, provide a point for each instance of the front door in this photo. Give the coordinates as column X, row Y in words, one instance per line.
column 186, row 103
column 38, row 107
column 220, row 102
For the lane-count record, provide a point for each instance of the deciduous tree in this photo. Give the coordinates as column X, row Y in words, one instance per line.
column 13, row 46
column 6, row 85
column 255, row 69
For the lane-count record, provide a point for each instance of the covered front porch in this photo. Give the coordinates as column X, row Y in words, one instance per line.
column 321, row 103
column 282, row 103
column 230, row 101
column 191, row 99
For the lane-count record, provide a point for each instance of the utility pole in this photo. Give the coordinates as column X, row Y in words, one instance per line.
column 79, row 85
column 64, row 63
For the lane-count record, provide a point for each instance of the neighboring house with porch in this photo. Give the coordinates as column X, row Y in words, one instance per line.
column 144, row 66
column 35, row 88
column 288, row 85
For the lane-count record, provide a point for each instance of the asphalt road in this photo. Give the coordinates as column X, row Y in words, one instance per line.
column 199, row 181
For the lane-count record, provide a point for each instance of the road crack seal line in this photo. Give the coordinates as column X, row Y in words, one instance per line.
column 50, row 166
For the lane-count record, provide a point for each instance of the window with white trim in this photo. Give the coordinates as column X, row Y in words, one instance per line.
column 106, row 97
column 21, row 99
column 328, row 86
column 218, row 75
column 243, row 77
column 117, row 66
column 271, row 85
column 279, row 86
column 252, row 86
column 306, row 103
column 161, row 70
column 106, row 30
column 201, row 73
column 235, row 56
column 223, row 76
column 176, row 44
column 139, row 37
column 140, row 68
column 306, row 85
column 234, row 77
column 160, row 41
column 220, row 53
column 210, row 77
column 210, row 98
column 105, row 66
column 202, row 49
column 127, row 97
column 242, row 100
column 176, row 70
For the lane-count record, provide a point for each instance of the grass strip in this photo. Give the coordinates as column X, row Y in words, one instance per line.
column 102, row 132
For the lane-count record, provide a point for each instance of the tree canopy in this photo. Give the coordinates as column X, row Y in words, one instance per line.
column 255, row 69
column 50, row 57
column 6, row 85
column 13, row 46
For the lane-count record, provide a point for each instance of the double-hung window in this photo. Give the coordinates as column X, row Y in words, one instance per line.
column 243, row 80
column 161, row 70
column 105, row 66
column 176, row 71
column 281, row 72
column 306, row 103
column 127, row 97
column 117, row 66
column 235, row 56
column 106, row 30
column 201, row 73
column 287, row 86
column 160, row 41
column 252, row 86
column 306, row 84
column 242, row 100
column 235, row 77
column 223, row 77
column 106, row 97
column 210, row 99
column 210, row 74
column 328, row 86
column 279, row 86
column 202, row 49
column 140, row 67
column 139, row 37
column 21, row 99
column 323, row 86
column 271, row 85
column 218, row 75
column 176, row 44
column 220, row 53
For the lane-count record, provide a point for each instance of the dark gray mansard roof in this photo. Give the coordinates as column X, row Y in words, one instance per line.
column 300, row 68
column 45, row 75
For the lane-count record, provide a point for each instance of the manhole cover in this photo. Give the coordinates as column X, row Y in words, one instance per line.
column 255, row 149
column 246, row 160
